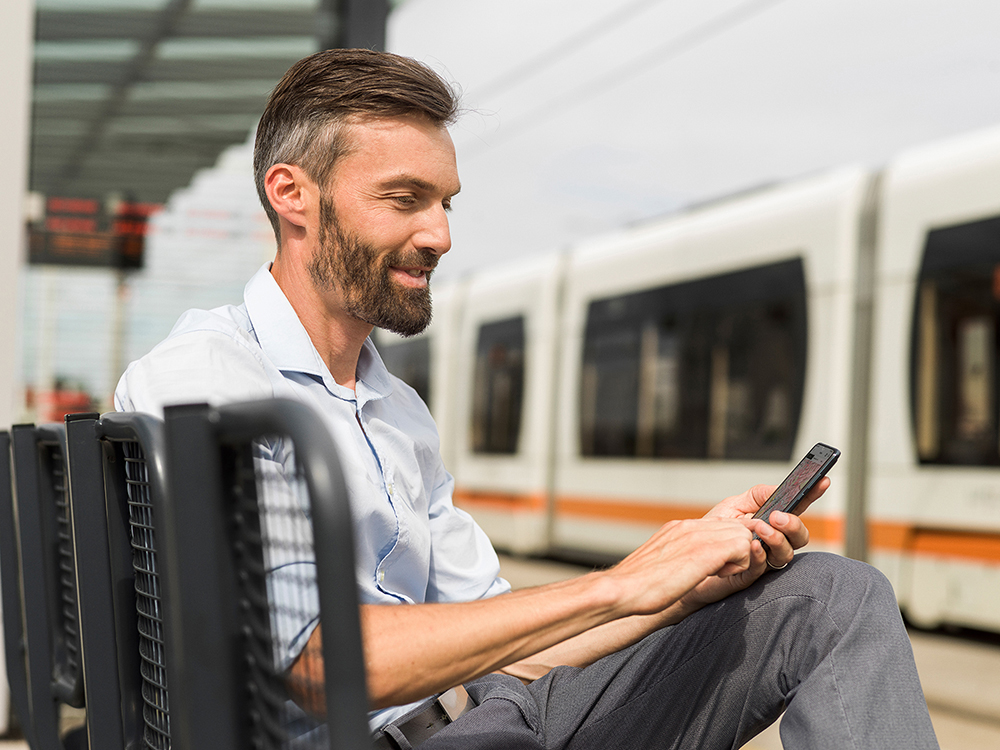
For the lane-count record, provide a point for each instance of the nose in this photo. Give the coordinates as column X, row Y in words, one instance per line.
column 434, row 234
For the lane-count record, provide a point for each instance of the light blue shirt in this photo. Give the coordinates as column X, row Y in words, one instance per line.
column 412, row 544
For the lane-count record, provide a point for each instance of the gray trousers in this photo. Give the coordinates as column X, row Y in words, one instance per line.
column 821, row 641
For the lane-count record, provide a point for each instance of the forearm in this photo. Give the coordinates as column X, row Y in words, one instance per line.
column 412, row 651
column 586, row 648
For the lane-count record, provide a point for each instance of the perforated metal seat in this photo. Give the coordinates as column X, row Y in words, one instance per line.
column 118, row 483
column 10, row 585
column 253, row 484
column 47, row 557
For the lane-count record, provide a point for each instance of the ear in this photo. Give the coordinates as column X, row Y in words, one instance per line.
column 291, row 193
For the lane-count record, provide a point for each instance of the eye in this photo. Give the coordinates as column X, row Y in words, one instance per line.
column 446, row 203
column 405, row 200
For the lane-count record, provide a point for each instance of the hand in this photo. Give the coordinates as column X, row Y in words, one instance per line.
column 786, row 532
column 679, row 557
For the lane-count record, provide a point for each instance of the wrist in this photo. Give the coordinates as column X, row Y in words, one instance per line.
column 609, row 595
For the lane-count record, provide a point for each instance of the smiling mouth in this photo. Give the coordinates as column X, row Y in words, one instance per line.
column 412, row 277
column 412, row 269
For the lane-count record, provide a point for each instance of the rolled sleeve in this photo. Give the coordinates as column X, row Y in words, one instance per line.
column 463, row 565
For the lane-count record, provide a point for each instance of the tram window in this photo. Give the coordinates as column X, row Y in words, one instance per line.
column 955, row 345
column 498, row 386
column 410, row 361
column 712, row 368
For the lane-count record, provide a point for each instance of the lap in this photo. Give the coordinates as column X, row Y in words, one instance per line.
column 719, row 676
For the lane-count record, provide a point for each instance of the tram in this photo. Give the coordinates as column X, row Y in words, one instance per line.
column 587, row 397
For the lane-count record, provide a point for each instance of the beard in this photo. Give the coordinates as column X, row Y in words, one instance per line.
column 346, row 263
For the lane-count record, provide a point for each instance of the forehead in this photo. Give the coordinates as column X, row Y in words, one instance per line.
column 390, row 149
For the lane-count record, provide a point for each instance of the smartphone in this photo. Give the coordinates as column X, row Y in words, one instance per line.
column 811, row 469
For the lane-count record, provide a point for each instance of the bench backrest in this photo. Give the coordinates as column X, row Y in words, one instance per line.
column 15, row 648
column 253, row 485
column 48, row 576
column 118, row 484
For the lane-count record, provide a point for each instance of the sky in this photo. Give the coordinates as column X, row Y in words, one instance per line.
column 584, row 116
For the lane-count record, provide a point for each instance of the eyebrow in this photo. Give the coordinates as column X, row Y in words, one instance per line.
column 417, row 182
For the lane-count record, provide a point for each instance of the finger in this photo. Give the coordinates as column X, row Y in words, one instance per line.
column 749, row 570
column 758, row 557
column 791, row 527
column 760, row 494
column 747, row 503
column 814, row 494
column 779, row 549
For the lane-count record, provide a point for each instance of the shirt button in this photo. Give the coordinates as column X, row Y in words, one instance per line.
column 381, row 575
column 391, row 488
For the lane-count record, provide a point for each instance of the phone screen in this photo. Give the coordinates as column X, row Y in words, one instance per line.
column 802, row 479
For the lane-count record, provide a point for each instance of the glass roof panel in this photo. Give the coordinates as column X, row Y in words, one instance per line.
column 275, row 5
column 45, row 93
column 160, row 90
column 178, row 126
column 61, row 127
column 98, row 94
column 83, row 6
column 203, row 49
column 86, row 51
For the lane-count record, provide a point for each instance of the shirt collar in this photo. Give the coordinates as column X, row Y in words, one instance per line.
column 373, row 379
column 287, row 344
column 278, row 328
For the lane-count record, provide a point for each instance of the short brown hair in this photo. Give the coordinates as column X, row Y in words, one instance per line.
column 303, row 121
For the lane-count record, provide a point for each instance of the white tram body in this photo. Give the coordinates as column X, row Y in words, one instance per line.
column 587, row 397
column 611, row 504
column 934, row 484
column 505, row 459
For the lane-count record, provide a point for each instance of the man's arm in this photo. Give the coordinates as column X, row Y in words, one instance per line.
column 787, row 534
column 413, row 651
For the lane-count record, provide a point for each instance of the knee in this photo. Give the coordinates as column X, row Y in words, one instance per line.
column 843, row 583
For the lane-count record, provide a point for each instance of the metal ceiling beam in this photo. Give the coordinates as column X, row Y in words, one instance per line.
column 126, row 73
column 58, row 25
column 354, row 23
column 163, row 28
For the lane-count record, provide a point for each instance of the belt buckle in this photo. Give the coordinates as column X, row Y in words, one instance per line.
column 455, row 702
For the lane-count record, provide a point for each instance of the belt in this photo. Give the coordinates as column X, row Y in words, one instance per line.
column 424, row 724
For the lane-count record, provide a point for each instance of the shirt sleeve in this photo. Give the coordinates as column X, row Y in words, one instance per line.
column 463, row 566
column 194, row 367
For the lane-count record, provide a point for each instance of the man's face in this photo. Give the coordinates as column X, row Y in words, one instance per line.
column 383, row 223
column 362, row 275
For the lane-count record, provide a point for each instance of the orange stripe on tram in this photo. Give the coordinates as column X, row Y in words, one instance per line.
column 882, row 535
column 508, row 501
column 657, row 513
column 941, row 543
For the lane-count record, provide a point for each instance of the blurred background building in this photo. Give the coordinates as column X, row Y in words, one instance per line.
column 140, row 199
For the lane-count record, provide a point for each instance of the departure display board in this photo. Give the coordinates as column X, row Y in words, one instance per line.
column 82, row 232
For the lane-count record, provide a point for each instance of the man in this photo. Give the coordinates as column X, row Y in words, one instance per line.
column 691, row 641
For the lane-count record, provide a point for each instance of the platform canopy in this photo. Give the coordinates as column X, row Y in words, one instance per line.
column 131, row 97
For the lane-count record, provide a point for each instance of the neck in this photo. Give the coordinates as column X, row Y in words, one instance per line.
column 337, row 336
